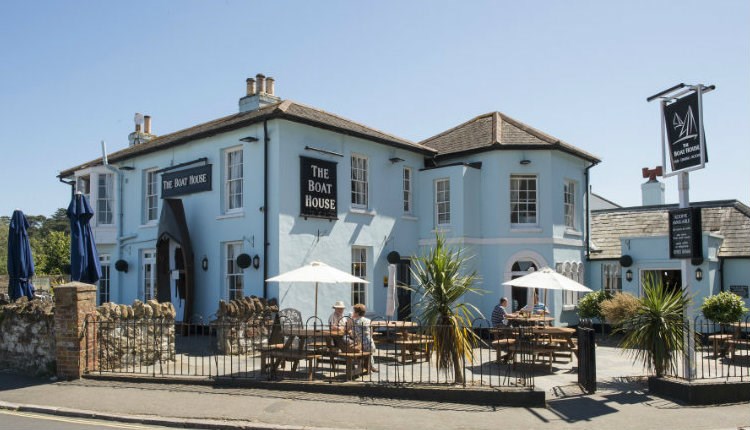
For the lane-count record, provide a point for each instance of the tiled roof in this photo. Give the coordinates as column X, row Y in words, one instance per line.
column 493, row 131
column 287, row 109
column 727, row 218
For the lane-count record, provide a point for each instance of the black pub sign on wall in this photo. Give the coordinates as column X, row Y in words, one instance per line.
column 318, row 197
column 685, row 233
column 187, row 181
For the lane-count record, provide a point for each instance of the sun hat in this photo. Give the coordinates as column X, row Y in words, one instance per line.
column 339, row 304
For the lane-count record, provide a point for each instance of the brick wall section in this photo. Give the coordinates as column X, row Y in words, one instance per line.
column 73, row 302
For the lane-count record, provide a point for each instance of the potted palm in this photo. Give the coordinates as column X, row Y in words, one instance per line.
column 654, row 333
column 442, row 285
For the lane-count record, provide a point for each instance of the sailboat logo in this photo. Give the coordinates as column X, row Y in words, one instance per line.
column 685, row 126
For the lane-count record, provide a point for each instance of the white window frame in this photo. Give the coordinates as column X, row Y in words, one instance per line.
column 105, row 199
column 442, row 202
column 83, row 185
column 234, row 174
column 517, row 202
column 611, row 278
column 359, row 269
column 150, row 196
column 407, row 187
column 574, row 271
column 360, row 181
column 103, row 294
column 234, row 277
column 148, row 274
column 569, row 204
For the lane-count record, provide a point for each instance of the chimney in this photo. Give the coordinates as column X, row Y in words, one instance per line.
column 259, row 93
column 142, row 133
column 652, row 192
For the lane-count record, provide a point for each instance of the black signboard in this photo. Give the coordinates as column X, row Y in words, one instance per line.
column 740, row 290
column 685, row 233
column 318, row 188
column 684, row 126
column 186, row 181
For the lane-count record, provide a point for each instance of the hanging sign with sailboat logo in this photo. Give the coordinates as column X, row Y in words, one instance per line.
column 684, row 125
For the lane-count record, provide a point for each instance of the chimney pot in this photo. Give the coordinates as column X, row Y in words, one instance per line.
column 269, row 85
column 147, row 124
column 250, row 86
column 261, row 81
column 137, row 128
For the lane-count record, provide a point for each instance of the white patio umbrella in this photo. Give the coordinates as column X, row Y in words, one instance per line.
column 548, row 279
column 319, row 273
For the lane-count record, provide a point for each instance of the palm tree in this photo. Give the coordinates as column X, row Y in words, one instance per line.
column 442, row 285
column 654, row 334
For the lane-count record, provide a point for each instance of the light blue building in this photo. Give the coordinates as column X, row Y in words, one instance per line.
column 207, row 213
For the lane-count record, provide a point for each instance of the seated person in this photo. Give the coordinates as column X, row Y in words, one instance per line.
column 499, row 314
column 538, row 308
column 362, row 333
column 337, row 320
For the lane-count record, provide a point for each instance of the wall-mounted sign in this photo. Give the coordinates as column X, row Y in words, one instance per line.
column 186, row 181
column 683, row 121
column 740, row 290
column 685, row 233
column 317, row 188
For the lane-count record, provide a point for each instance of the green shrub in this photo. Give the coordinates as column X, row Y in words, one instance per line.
column 590, row 305
column 724, row 308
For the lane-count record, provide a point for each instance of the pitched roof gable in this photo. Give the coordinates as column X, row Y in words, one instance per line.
column 286, row 109
column 727, row 218
column 497, row 131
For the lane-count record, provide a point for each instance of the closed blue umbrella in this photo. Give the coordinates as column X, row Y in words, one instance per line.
column 84, row 260
column 20, row 261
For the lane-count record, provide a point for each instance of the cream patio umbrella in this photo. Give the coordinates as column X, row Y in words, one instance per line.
column 548, row 279
column 318, row 273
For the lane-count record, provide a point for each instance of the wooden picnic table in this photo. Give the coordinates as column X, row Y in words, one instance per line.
column 288, row 351
column 409, row 346
column 538, row 341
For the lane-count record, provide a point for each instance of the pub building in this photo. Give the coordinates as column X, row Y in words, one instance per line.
column 209, row 212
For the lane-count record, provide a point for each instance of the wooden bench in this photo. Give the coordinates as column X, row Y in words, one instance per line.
column 352, row 359
column 738, row 348
column 504, row 349
column 415, row 348
column 277, row 356
column 718, row 341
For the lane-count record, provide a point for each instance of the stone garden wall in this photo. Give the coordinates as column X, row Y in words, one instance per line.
column 243, row 325
column 134, row 336
column 27, row 336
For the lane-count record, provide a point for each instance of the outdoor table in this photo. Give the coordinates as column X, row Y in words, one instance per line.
column 739, row 327
column 402, row 327
column 289, row 353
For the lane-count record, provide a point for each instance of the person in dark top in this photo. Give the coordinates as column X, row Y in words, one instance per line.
column 499, row 314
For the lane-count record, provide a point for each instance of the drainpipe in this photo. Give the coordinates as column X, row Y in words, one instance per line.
column 721, row 273
column 587, row 231
column 120, row 210
column 266, row 139
column 72, row 186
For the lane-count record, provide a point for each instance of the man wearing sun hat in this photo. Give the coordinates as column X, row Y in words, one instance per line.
column 337, row 321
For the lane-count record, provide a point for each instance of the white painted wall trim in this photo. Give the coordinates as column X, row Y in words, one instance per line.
column 506, row 241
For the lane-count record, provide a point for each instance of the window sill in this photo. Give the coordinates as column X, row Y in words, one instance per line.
column 409, row 217
column 150, row 224
column 362, row 211
column 569, row 307
column 571, row 232
column 228, row 215
column 441, row 229
column 521, row 229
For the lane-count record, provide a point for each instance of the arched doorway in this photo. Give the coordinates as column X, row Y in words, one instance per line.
column 520, row 264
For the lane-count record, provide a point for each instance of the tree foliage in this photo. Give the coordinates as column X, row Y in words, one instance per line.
column 590, row 305
column 724, row 308
column 49, row 239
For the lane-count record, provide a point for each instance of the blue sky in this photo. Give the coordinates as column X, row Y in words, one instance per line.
column 73, row 73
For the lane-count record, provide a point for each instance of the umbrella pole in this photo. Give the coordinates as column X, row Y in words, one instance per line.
column 316, row 301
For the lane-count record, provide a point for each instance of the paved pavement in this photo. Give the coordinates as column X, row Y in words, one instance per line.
column 621, row 402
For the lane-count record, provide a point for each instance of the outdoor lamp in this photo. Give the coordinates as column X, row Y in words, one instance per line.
column 698, row 274
column 629, row 275
column 204, row 263
column 256, row 261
